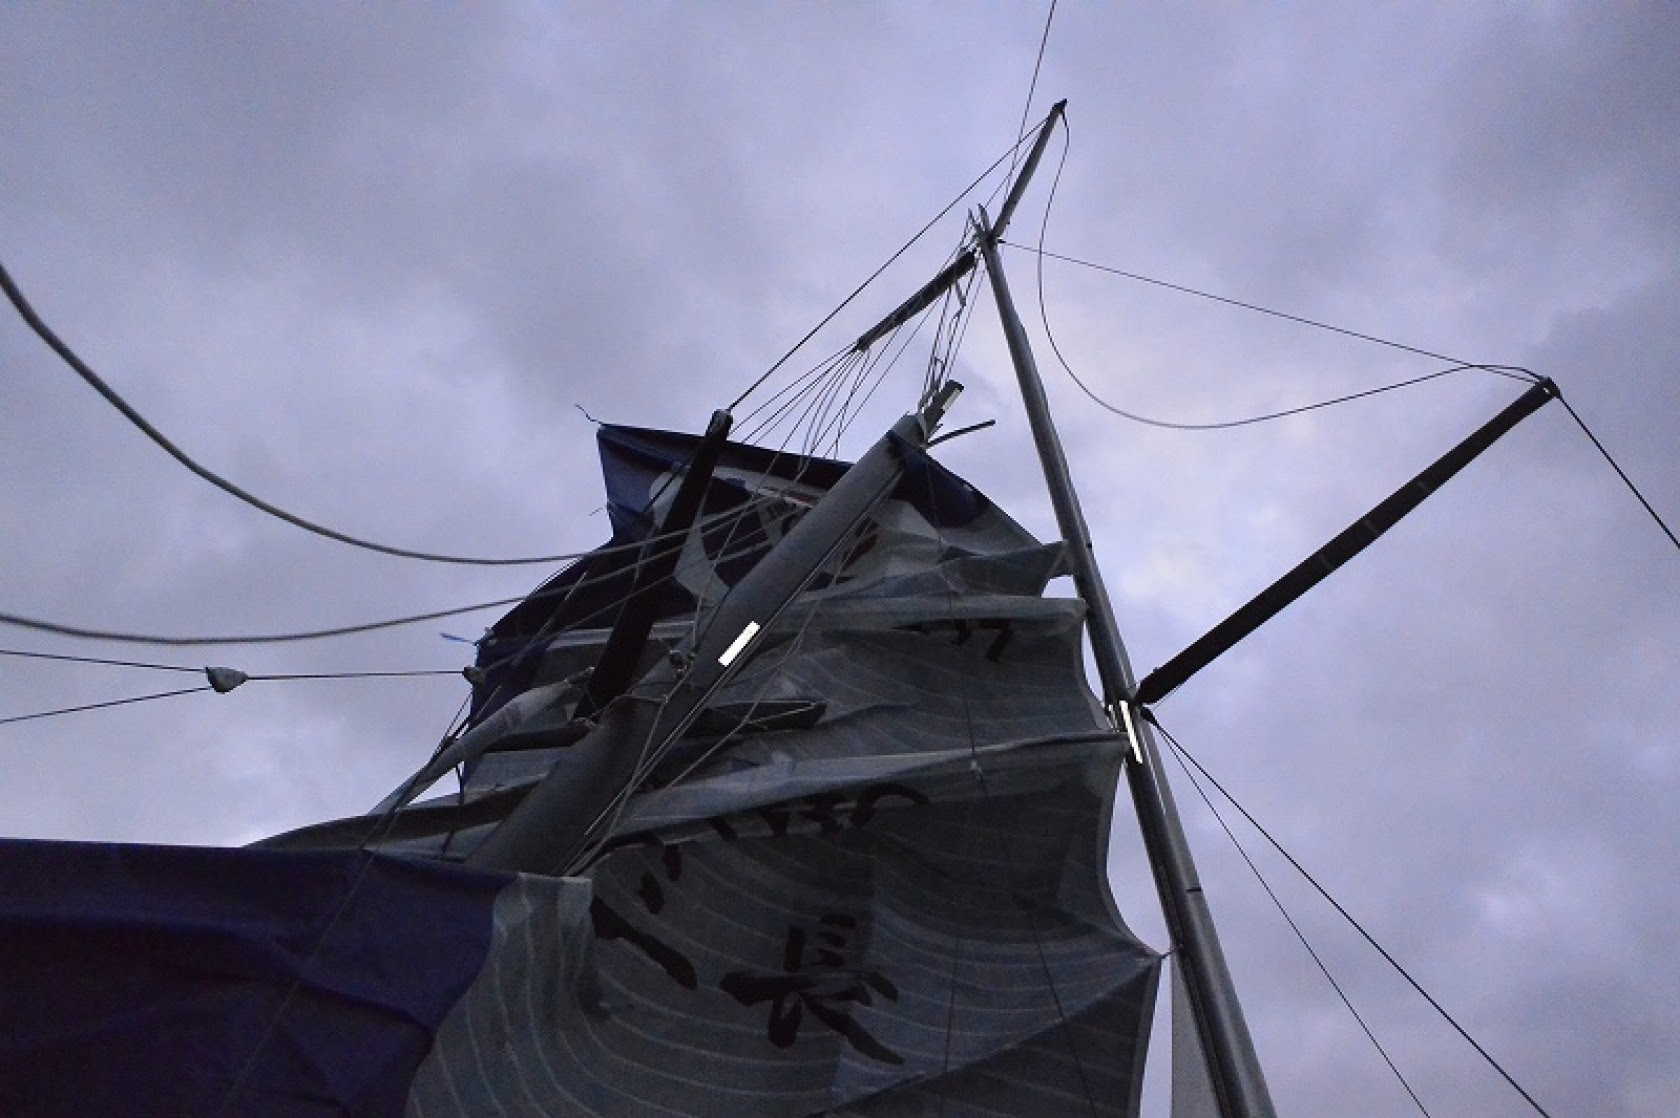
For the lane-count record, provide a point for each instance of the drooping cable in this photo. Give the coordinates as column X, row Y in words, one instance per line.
column 118, row 637
column 83, row 370
column 1050, row 335
column 1293, row 926
column 1346, row 915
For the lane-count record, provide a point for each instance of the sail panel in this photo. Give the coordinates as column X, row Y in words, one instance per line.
column 881, row 952
column 867, row 878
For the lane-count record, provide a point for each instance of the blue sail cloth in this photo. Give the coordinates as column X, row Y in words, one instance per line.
column 153, row 980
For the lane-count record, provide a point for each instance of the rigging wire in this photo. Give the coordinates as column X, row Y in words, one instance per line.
column 387, row 819
column 1294, row 927
column 1032, row 86
column 116, row 637
column 98, row 384
column 223, row 680
column 1514, row 370
column 64, row 351
column 607, row 819
column 876, row 274
column 32, row 655
column 99, row 706
column 1621, row 473
column 814, row 374
column 1044, row 317
column 1346, row 915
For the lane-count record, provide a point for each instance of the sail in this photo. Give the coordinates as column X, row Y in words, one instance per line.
column 868, row 878
column 872, row 881
column 188, row 981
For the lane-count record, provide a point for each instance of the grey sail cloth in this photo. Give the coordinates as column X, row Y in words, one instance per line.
column 872, row 883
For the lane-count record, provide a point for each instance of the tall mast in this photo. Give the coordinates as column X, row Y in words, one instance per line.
column 1233, row 1068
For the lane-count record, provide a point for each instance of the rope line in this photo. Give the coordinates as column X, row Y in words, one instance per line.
column 30, row 655
column 117, row 637
column 1621, row 473
column 876, row 274
column 1055, row 347
column 1259, row 309
column 1032, row 86
column 1346, row 915
column 99, row 706
column 98, row 384
column 1293, row 926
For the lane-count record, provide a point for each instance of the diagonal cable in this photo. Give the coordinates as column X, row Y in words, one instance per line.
column 1178, row 755
column 1346, row 915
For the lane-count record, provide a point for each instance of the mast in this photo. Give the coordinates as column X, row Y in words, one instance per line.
column 1233, row 1068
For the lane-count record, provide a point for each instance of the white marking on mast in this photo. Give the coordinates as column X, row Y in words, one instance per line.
column 1131, row 730
column 738, row 644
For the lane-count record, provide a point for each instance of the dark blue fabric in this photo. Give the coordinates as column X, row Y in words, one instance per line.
column 142, row 979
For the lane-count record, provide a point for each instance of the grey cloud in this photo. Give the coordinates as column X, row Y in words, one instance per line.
column 365, row 260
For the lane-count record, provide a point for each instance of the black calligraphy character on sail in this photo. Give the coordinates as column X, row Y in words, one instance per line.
column 609, row 923
column 818, row 980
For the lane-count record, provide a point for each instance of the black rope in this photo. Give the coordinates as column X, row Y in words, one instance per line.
column 1627, row 481
column 116, row 637
column 26, row 654
column 1032, row 86
column 99, row 706
column 1293, row 926
column 83, row 370
column 1346, row 915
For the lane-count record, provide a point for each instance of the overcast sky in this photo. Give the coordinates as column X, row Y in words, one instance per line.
column 364, row 260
